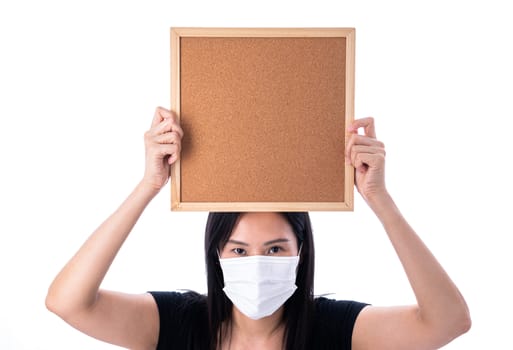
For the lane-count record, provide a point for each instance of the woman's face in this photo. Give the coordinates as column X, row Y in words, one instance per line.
column 261, row 234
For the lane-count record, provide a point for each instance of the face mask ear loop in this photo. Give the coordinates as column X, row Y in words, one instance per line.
column 300, row 247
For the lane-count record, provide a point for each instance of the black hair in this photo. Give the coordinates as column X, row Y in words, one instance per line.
column 298, row 309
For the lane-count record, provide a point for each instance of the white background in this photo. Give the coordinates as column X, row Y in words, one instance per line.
column 79, row 82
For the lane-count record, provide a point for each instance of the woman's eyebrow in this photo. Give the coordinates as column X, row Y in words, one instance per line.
column 279, row 240
column 233, row 241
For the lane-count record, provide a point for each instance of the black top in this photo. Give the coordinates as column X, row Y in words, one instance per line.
column 184, row 317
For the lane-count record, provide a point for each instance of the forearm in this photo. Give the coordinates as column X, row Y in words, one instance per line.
column 439, row 300
column 76, row 286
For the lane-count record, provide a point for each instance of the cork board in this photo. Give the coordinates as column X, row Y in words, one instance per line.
column 264, row 113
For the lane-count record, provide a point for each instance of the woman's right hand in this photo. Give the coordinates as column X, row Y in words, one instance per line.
column 163, row 145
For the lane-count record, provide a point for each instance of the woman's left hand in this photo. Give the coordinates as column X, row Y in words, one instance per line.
column 367, row 155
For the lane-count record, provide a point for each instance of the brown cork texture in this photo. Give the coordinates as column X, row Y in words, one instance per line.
column 263, row 119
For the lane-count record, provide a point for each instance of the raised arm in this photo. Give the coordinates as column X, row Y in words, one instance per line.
column 126, row 320
column 441, row 313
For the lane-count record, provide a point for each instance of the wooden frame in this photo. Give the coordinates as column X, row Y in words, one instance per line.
column 215, row 116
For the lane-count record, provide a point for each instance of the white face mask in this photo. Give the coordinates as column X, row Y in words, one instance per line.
column 258, row 285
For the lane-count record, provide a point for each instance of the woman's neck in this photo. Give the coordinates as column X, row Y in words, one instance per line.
column 246, row 333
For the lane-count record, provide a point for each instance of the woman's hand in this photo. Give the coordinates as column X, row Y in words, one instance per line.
column 163, row 145
column 367, row 155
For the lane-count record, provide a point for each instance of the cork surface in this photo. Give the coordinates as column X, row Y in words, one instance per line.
column 263, row 119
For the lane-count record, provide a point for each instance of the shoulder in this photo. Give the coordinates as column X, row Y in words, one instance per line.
column 325, row 307
column 334, row 322
column 179, row 299
column 182, row 317
column 178, row 305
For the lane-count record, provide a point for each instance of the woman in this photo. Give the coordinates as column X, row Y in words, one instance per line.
column 260, row 275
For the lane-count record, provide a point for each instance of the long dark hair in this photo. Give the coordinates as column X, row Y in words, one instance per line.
column 298, row 311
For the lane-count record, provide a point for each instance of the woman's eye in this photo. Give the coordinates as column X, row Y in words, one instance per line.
column 239, row 251
column 274, row 250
